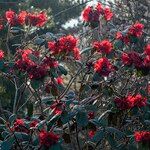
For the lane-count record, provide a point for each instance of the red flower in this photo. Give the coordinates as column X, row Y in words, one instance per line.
column 147, row 62
column 19, row 126
column 126, row 59
column 33, row 123
column 48, row 139
column 136, row 30
column 103, row 66
column 76, row 53
column 147, row 49
column 91, row 133
column 125, row 39
column 132, row 58
column 91, row 115
column 67, row 43
column 1, row 27
column 38, row 19
column 92, row 14
column 130, row 102
column 14, row 19
column 1, row 54
column 103, row 47
column 139, row 101
column 142, row 136
column 59, row 80
column 125, row 103
column 108, row 14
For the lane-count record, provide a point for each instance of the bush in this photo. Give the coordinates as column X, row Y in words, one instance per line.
column 70, row 97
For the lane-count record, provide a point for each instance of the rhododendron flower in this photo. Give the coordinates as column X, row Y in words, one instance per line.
column 64, row 46
column 142, row 136
column 48, row 139
column 132, row 58
column 68, row 43
column 91, row 115
column 19, row 126
column 33, row 123
column 14, row 19
column 103, row 66
column 1, row 27
column 108, row 14
column 120, row 36
column 139, row 100
column 136, row 30
column 147, row 62
column 125, row 103
column 76, row 53
column 130, row 102
column 59, row 80
column 92, row 14
column 126, row 59
column 103, row 46
column 147, row 49
column 37, row 19
column 1, row 54
column 91, row 133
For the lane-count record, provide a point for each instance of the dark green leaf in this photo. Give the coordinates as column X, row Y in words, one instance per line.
column 82, row 119
column 98, row 136
column 12, row 118
column 7, row 144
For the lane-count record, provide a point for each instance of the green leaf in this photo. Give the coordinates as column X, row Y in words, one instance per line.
column 62, row 70
column 98, row 136
column 12, row 118
column 111, row 141
column 88, row 49
column 56, row 147
column 22, row 136
column 39, row 41
column 82, row 119
column 1, row 64
column 7, row 144
column 118, row 44
column 115, row 131
column 96, row 77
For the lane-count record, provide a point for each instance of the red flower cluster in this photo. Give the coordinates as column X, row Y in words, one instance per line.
column 1, row 54
column 103, row 66
column 147, row 49
column 92, row 14
column 134, row 58
column 142, row 136
column 16, row 19
column 136, row 30
column 35, row 69
column 130, row 102
column 37, row 20
column 65, row 45
column 104, row 46
column 124, row 38
column 48, row 139
column 24, row 17
column 19, row 126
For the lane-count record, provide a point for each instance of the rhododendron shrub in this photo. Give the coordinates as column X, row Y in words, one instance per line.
column 76, row 96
